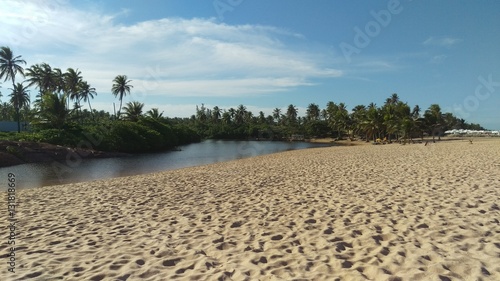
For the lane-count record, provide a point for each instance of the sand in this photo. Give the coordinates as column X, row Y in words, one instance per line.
column 385, row 212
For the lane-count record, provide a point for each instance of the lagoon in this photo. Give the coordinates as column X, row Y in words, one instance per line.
column 196, row 154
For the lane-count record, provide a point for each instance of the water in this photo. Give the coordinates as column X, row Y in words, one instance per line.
column 206, row 152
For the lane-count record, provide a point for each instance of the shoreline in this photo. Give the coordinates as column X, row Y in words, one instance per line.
column 70, row 174
column 15, row 153
column 403, row 212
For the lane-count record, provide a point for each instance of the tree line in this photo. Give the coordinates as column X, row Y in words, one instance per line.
column 394, row 120
column 62, row 111
column 58, row 114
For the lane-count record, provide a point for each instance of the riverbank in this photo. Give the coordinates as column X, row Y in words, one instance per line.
column 21, row 152
column 374, row 212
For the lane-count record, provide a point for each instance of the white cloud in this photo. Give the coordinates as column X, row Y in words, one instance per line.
column 441, row 41
column 170, row 56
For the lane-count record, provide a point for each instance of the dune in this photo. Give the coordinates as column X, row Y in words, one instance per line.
column 386, row 212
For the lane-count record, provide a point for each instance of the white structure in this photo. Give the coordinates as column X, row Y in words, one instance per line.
column 473, row 132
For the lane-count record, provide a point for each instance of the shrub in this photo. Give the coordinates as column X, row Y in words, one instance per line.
column 169, row 139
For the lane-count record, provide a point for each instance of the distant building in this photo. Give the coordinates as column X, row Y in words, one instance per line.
column 11, row 126
column 462, row 132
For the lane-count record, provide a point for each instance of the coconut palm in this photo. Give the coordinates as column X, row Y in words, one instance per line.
column 372, row 122
column 121, row 87
column 240, row 114
column 291, row 114
column 312, row 112
column 59, row 80
column 18, row 99
column 7, row 111
column 133, row 110
column 46, row 79
column 10, row 65
column 337, row 117
column 232, row 113
column 216, row 114
column 226, row 117
column 342, row 120
column 394, row 98
column 34, row 77
column 86, row 92
column 416, row 112
column 434, row 120
column 72, row 79
column 55, row 111
column 277, row 115
column 154, row 113
column 262, row 117
column 357, row 116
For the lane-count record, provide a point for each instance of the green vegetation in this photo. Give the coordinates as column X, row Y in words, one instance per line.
column 53, row 120
column 394, row 120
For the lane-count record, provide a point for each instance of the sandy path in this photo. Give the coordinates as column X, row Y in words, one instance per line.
column 391, row 212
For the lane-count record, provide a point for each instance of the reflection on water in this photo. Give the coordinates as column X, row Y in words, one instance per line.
column 206, row 152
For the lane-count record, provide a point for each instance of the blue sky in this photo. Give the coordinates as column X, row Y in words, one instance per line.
column 270, row 53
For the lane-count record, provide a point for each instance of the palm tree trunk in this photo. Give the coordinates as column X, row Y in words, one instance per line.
column 18, row 120
column 119, row 109
column 91, row 113
column 17, row 107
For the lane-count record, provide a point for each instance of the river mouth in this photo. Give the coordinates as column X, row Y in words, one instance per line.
column 196, row 154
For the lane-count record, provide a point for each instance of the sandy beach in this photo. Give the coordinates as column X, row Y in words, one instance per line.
column 370, row 212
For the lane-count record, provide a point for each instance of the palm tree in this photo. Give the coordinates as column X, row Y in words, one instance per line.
column 394, row 98
column 277, row 115
column 313, row 112
column 7, row 111
column 434, row 120
column 133, row 110
column 55, row 111
column 240, row 114
column 33, row 73
column 291, row 114
column 373, row 121
column 248, row 118
column 45, row 79
column 342, row 119
column 357, row 116
column 154, row 113
column 232, row 113
column 262, row 117
column 58, row 79
column 416, row 112
column 19, row 98
column 216, row 114
column 10, row 65
column 121, row 87
column 86, row 92
column 337, row 117
column 72, row 79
